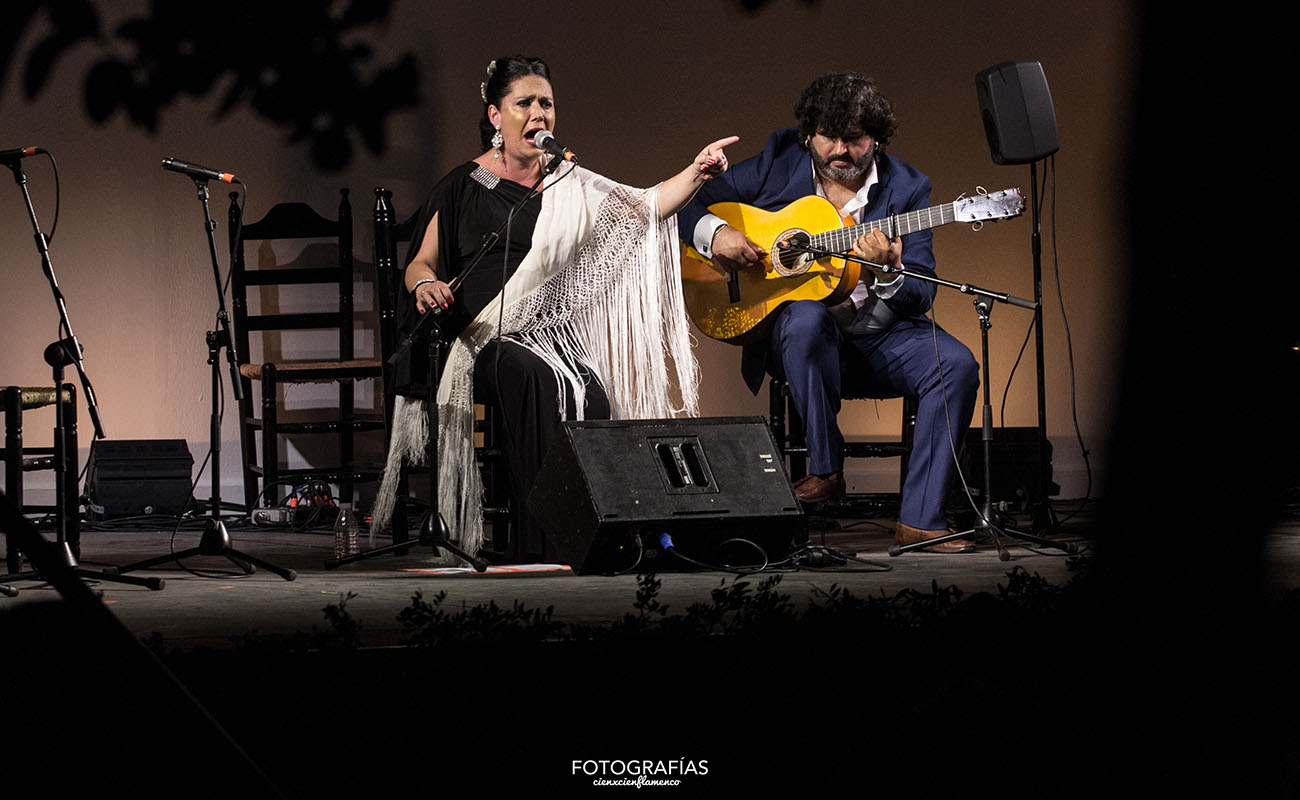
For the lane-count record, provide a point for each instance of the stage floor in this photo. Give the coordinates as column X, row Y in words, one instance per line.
column 210, row 600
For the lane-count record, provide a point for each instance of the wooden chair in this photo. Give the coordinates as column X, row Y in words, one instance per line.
column 277, row 284
column 389, row 234
column 787, row 430
column 19, row 458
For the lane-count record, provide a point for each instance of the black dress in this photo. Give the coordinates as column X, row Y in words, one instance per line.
column 471, row 203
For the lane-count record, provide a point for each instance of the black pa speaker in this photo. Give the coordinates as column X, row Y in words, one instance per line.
column 131, row 477
column 1014, row 456
column 701, row 482
column 1016, row 106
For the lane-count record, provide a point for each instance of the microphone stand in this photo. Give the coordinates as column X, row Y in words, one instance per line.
column 434, row 532
column 74, row 356
column 215, row 540
column 59, row 355
column 984, row 299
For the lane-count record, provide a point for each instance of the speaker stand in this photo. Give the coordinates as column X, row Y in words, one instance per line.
column 1042, row 518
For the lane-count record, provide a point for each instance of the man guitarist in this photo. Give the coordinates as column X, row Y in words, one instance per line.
column 879, row 340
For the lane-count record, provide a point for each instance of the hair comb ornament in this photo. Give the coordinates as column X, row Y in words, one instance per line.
column 482, row 87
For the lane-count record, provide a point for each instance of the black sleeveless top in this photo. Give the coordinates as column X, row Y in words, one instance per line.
column 471, row 203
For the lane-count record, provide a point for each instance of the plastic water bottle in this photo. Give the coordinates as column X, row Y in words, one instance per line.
column 346, row 532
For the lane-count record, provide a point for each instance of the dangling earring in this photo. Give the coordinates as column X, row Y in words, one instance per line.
column 497, row 141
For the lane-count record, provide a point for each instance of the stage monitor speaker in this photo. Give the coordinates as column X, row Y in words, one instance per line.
column 131, row 477
column 1015, row 467
column 1016, row 106
column 701, row 481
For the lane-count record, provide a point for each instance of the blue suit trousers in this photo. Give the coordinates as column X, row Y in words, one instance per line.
column 913, row 358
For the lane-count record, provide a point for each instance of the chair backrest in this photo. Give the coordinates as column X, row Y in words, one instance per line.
column 292, row 221
column 389, row 234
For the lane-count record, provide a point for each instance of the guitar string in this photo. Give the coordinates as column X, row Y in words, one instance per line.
column 904, row 224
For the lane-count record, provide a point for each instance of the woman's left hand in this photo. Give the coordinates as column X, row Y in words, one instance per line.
column 712, row 161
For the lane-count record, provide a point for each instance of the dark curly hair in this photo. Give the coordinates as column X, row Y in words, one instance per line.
column 843, row 104
column 508, row 70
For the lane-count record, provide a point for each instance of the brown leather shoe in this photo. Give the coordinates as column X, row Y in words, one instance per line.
column 906, row 534
column 816, row 489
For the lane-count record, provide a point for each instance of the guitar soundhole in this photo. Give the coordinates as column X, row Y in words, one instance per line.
column 789, row 260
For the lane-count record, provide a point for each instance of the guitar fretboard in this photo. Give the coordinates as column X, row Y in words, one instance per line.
column 842, row 239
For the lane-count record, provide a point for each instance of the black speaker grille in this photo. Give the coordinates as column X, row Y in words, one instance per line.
column 1017, row 112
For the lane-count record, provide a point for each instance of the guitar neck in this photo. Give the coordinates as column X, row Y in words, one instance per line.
column 842, row 239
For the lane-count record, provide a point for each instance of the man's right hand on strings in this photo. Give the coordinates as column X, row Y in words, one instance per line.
column 733, row 251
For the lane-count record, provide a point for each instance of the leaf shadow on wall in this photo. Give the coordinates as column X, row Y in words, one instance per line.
column 302, row 66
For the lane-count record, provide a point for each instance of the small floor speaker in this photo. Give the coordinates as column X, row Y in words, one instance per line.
column 1014, row 457
column 131, row 477
column 1016, row 107
column 716, row 487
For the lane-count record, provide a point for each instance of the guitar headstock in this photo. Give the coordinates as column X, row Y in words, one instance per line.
column 984, row 206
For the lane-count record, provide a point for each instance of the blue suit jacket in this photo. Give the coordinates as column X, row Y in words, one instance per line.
column 783, row 173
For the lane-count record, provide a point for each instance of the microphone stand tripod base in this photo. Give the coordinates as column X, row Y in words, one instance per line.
column 427, row 538
column 981, row 527
column 984, row 525
column 216, row 542
column 69, row 560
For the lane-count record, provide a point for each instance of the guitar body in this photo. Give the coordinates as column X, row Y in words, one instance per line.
column 778, row 279
column 785, row 275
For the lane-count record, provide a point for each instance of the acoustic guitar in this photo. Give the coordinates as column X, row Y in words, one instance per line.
column 785, row 274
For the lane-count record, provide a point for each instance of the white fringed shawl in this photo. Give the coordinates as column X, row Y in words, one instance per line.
column 601, row 288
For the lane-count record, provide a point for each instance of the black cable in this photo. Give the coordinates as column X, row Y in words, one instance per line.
column 762, row 553
column 820, row 558
column 666, row 544
column 1069, row 349
column 320, row 497
column 171, row 542
column 49, row 237
column 1002, row 410
column 947, row 416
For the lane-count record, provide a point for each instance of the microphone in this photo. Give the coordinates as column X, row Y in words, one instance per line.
column 196, row 171
column 798, row 247
column 16, row 154
column 546, row 141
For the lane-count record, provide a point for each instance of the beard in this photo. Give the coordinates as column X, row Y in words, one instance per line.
column 841, row 167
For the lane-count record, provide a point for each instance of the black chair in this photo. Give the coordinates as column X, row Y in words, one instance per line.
column 278, row 283
column 788, row 431
column 19, row 459
column 389, row 234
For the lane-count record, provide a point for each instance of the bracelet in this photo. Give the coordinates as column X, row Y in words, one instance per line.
column 422, row 281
